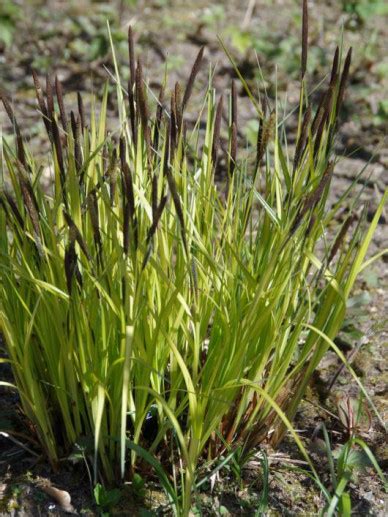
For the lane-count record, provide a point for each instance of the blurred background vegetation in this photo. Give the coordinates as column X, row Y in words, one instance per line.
column 70, row 38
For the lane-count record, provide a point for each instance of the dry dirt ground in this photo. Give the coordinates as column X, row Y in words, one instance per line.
column 70, row 38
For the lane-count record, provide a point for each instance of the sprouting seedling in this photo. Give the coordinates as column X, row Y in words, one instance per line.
column 353, row 414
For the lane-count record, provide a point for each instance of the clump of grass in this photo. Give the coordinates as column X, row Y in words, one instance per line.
column 138, row 293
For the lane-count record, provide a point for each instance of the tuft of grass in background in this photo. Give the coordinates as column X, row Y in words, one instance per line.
column 9, row 14
column 168, row 317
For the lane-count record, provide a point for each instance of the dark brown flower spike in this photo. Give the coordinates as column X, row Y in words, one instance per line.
column 217, row 130
column 9, row 110
column 193, row 75
column 112, row 176
column 61, row 105
column 259, row 143
column 81, row 111
column 131, row 55
column 59, row 153
column 122, row 151
column 173, row 125
column 318, row 115
column 11, row 202
column 156, row 218
column 311, row 224
column 94, row 218
column 173, row 187
column 71, row 264
column 31, row 206
column 268, row 130
column 19, row 140
column 154, row 194
column 166, row 150
column 328, row 103
column 50, row 98
column 129, row 199
column 76, row 130
column 158, row 120
column 129, row 193
column 334, row 68
column 343, row 81
column 324, row 118
column 264, row 136
column 178, row 107
column 313, row 198
column 41, row 103
column 178, row 206
column 302, row 138
column 143, row 109
column 233, row 148
column 132, row 117
column 77, row 235
column 126, row 222
column 340, row 237
column 318, row 136
column 141, row 96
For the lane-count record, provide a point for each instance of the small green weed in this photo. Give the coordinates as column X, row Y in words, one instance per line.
column 344, row 463
column 10, row 13
column 362, row 10
column 106, row 499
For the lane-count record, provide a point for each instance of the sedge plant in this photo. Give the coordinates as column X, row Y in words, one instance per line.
column 139, row 292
